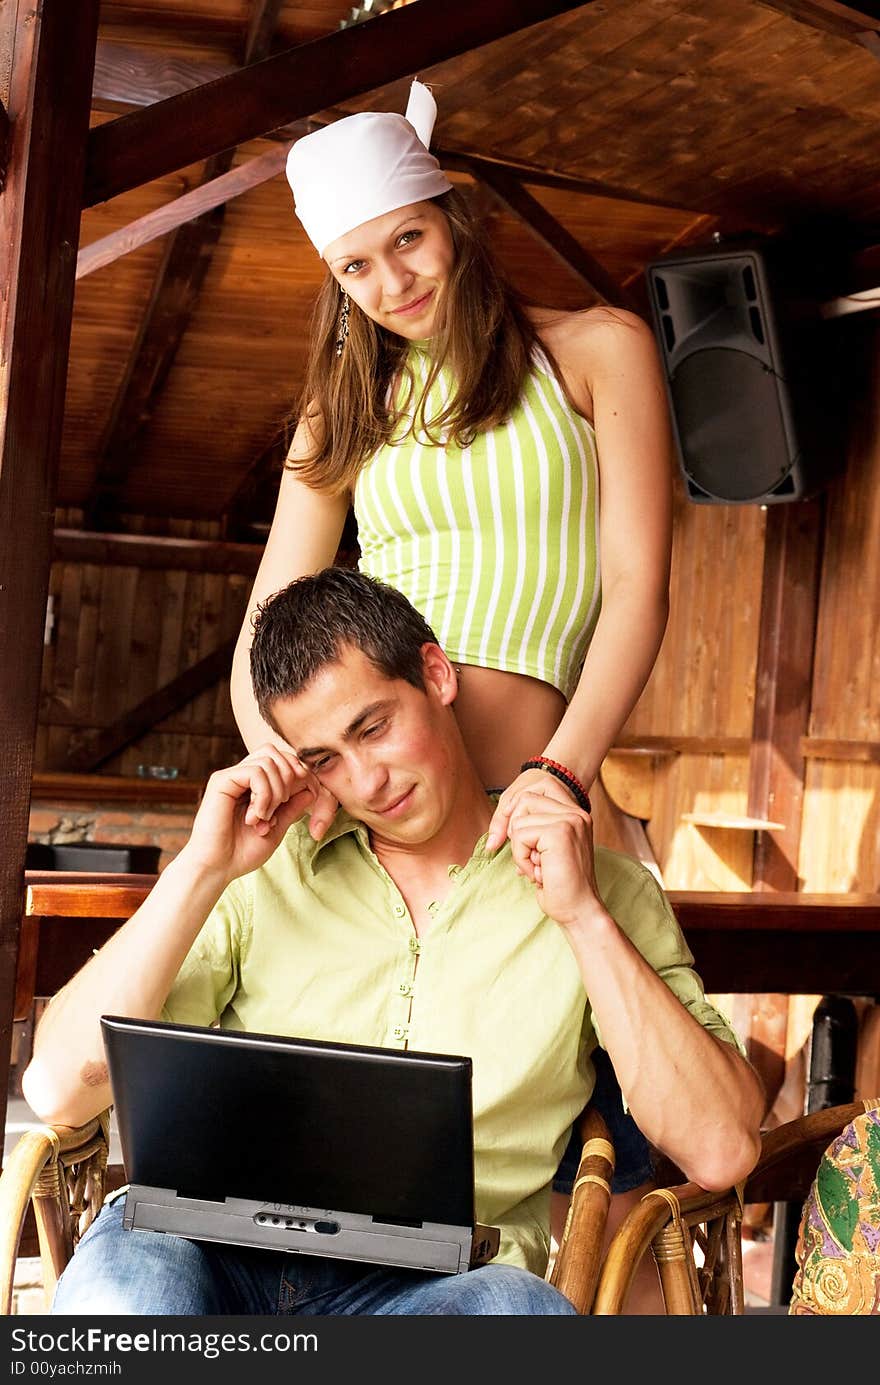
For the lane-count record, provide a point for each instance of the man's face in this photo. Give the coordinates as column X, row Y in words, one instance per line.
column 384, row 749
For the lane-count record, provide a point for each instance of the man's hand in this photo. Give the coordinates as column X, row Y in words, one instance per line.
column 534, row 781
column 552, row 844
column 247, row 809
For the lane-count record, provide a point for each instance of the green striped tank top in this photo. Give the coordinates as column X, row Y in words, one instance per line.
column 495, row 544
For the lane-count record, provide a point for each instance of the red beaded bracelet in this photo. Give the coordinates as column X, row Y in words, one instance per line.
column 564, row 775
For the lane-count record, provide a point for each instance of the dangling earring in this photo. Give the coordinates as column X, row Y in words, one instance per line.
column 343, row 323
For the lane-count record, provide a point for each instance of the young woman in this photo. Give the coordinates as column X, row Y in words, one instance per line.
column 509, row 466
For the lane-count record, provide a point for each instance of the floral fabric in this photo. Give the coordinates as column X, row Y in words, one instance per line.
column 838, row 1248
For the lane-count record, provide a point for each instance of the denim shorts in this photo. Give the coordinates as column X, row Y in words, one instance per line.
column 632, row 1153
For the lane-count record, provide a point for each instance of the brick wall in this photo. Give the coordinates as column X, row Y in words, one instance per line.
column 116, row 823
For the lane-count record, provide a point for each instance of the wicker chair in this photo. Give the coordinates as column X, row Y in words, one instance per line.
column 695, row 1235
column 63, row 1174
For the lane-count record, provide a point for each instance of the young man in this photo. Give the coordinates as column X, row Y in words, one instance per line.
column 397, row 927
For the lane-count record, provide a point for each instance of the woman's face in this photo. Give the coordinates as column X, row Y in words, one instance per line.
column 396, row 267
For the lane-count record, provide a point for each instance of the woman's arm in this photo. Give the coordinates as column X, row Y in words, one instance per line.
column 304, row 538
column 621, row 383
column 634, row 443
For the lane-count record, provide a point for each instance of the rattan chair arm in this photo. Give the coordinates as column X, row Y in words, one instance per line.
column 790, row 1153
column 79, row 1142
column 35, row 1171
column 637, row 1233
column 26, row 1163
column 579, row 1256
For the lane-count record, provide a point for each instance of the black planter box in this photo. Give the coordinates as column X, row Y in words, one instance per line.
column 101, row 857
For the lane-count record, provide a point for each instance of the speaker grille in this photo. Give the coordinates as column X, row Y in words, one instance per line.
column 731, row 428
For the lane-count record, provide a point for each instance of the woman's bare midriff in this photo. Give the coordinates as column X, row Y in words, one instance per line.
column 505, row 718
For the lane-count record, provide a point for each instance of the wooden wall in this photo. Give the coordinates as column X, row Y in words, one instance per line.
column 121, row 632
column 699, row 702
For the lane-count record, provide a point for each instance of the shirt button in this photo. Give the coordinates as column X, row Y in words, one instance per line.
column 399, row 910
column 415, row 945
column 400, row 1031
column 405, row 988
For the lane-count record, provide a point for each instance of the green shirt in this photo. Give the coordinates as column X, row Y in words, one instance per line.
column 318, row 943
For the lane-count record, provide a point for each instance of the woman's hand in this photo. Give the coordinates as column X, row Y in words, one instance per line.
column 533, row 781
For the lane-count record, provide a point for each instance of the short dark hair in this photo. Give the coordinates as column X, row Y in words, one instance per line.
column 305, row 626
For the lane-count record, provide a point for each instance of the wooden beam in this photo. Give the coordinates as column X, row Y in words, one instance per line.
column 55, row 786
column 178, row 283
column 183, row 209
column 786, row 641
column 862, row 301
column 246, row 503
column 145, row 551
column 176, row 291
column 140, row 719
column 5, row 137
column 262, row 25
column 682, row 745
column 158, row 140
column 560, row 242
column 260, row 169
column 130, row 77
column 783, row 681
column 483, row 167
column 47, row 53
column 857, row 752
column 847, row 21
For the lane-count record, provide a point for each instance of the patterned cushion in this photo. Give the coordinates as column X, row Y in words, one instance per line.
column 838, row 1248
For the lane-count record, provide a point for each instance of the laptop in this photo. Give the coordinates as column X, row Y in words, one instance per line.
column 297, row 1145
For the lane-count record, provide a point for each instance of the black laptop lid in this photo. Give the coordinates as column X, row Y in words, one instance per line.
column 214, row 1113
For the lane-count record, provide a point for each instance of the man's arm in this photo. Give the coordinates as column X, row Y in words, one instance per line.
column 243, row 816
column 693, row 1095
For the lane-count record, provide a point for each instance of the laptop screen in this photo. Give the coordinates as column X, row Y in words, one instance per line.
column 216, row 1114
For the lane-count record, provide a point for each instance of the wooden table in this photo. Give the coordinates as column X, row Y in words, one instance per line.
column 794, row 944
column 67, row 914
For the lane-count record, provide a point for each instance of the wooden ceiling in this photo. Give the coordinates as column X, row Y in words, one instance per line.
column 592, row 142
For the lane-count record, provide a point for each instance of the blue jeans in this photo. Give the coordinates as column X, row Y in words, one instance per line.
column 632, row 1153
column 115, row 1272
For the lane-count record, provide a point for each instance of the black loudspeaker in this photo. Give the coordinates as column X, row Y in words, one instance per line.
column 742, row 349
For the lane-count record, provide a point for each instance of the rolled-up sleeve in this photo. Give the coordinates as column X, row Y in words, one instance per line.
column 209, row 975
column 639, row 906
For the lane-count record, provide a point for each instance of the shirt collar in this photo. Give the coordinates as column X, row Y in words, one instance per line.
column 342, row 825
column 345, row 825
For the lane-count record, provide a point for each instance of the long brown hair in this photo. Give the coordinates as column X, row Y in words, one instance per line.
column 481, row 331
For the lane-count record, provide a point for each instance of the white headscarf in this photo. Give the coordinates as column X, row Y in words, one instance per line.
column 364, row 166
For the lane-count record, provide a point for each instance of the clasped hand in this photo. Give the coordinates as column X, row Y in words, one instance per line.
column 551, row 840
